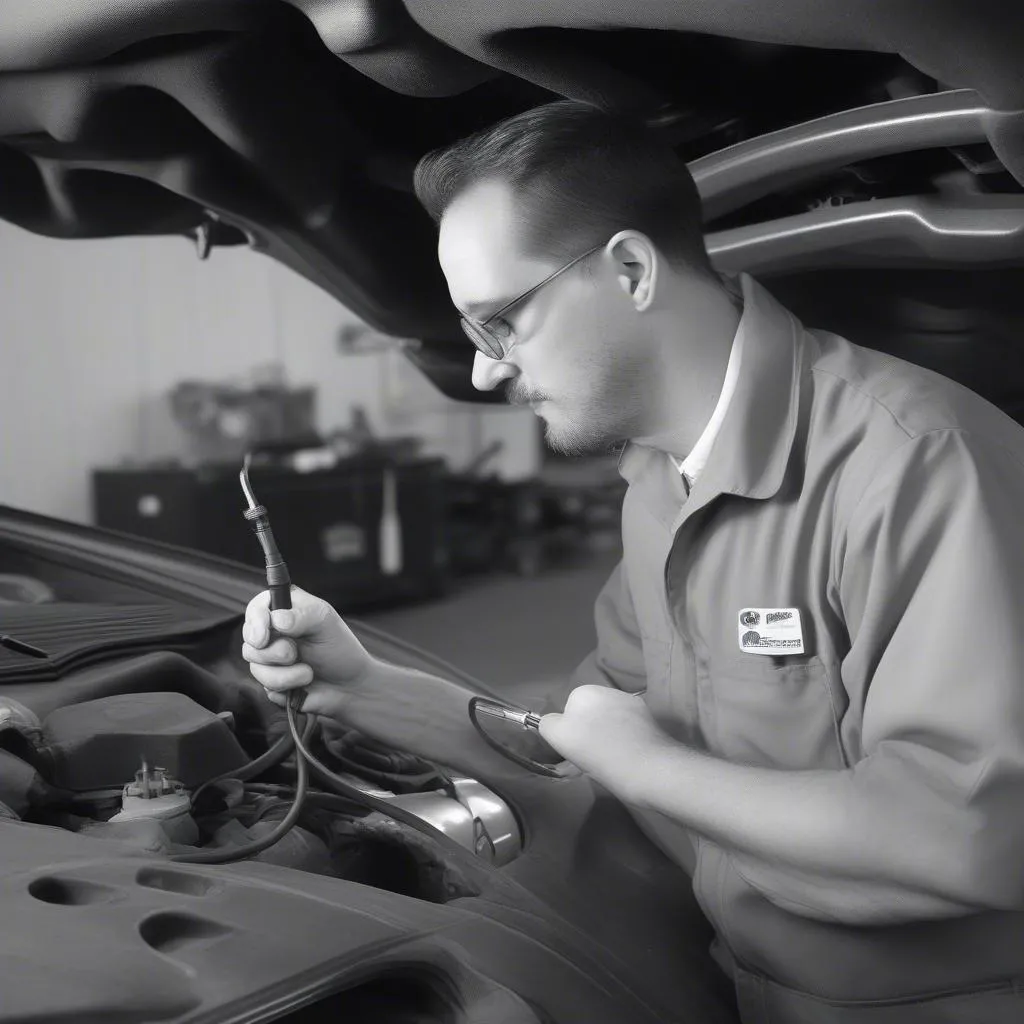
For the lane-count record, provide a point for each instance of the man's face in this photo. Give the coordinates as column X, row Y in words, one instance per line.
column 578, row 358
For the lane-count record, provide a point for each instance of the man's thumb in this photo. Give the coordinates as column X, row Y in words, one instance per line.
column 549, row 728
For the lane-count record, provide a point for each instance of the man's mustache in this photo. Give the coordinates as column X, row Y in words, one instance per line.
column 516, row 393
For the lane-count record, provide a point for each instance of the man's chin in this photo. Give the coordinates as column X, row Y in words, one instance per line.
column 574, row 443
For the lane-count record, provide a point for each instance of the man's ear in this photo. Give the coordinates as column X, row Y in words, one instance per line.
column 636, row 266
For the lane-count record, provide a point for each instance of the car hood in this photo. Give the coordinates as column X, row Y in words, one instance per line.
column 294, row 126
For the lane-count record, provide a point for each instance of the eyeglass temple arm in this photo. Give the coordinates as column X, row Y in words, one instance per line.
column 539, row 285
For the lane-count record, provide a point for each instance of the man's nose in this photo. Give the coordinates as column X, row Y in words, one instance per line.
column 489, row 373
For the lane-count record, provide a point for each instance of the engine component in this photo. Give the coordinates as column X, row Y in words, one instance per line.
column 14, row 715
column 466, row 811
column 155, row 795
column 446, row 815
column 496, row 833
column 489, row 829
column 299, row 848
column 394, row 770
column 18, row 782
column 99, row 743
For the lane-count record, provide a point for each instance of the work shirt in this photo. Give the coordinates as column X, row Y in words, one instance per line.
column 884, row 503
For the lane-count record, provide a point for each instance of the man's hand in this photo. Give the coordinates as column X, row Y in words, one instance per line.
column 307, row 647
column 608, row 734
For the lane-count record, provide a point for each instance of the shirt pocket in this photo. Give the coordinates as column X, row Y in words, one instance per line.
column 773, row 711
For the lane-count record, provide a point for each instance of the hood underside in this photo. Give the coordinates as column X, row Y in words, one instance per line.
column 294, row 127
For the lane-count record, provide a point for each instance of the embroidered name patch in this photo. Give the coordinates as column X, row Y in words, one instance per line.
column 770, row 631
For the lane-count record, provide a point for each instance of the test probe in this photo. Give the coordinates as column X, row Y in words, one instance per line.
column 278, row 580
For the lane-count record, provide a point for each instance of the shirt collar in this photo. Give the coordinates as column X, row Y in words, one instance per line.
column 749, row 449
column 695, row 462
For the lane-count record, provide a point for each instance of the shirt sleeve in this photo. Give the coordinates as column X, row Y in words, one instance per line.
column 930, row 578
column 618, row 658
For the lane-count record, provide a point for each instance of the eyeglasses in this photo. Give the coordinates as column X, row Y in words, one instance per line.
column 490, row 339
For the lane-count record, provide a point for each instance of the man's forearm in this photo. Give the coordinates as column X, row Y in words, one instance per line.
column 428, row 716
column 820, row 826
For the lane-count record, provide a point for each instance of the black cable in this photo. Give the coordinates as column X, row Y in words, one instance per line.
column 314, row 797
column 225, row 856
column 269, row 759
column 524, row 762
column 305, row 760
column 385, row 807
column 279, row 584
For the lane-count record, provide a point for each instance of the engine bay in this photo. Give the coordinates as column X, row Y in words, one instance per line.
column 153, row 755
column 155, row 867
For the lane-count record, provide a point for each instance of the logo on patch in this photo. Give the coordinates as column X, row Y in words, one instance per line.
column 770, row 631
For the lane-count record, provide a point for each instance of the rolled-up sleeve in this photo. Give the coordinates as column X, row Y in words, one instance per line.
column 930, row 577
column 618, row 658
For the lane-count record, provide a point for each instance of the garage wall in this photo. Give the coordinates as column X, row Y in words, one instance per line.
column 94, row 333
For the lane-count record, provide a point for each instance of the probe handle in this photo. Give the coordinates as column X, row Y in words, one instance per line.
column 279, row 580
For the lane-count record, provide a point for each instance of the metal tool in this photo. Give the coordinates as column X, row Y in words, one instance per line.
column 522, row 717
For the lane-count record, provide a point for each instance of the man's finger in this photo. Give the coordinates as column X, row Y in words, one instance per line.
column 261, row 602
column 282, row 699
column 257, row 620
column 306, row 615
column 255, row 635
column 280, row 652
column 584, row 697
column 275, row 677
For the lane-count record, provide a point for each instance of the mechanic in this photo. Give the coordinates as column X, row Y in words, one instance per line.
column 819, row 600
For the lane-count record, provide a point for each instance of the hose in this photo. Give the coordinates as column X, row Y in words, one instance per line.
column 267, row 760
column 229, row 854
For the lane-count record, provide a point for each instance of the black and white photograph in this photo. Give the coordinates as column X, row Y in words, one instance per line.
column 511, row 512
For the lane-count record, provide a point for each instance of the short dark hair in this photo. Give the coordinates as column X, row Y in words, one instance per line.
column 581, row 174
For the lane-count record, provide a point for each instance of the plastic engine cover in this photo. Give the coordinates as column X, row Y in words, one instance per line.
column 100, row 744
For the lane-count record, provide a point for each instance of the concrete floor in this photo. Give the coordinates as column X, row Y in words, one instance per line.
column 521, row 636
